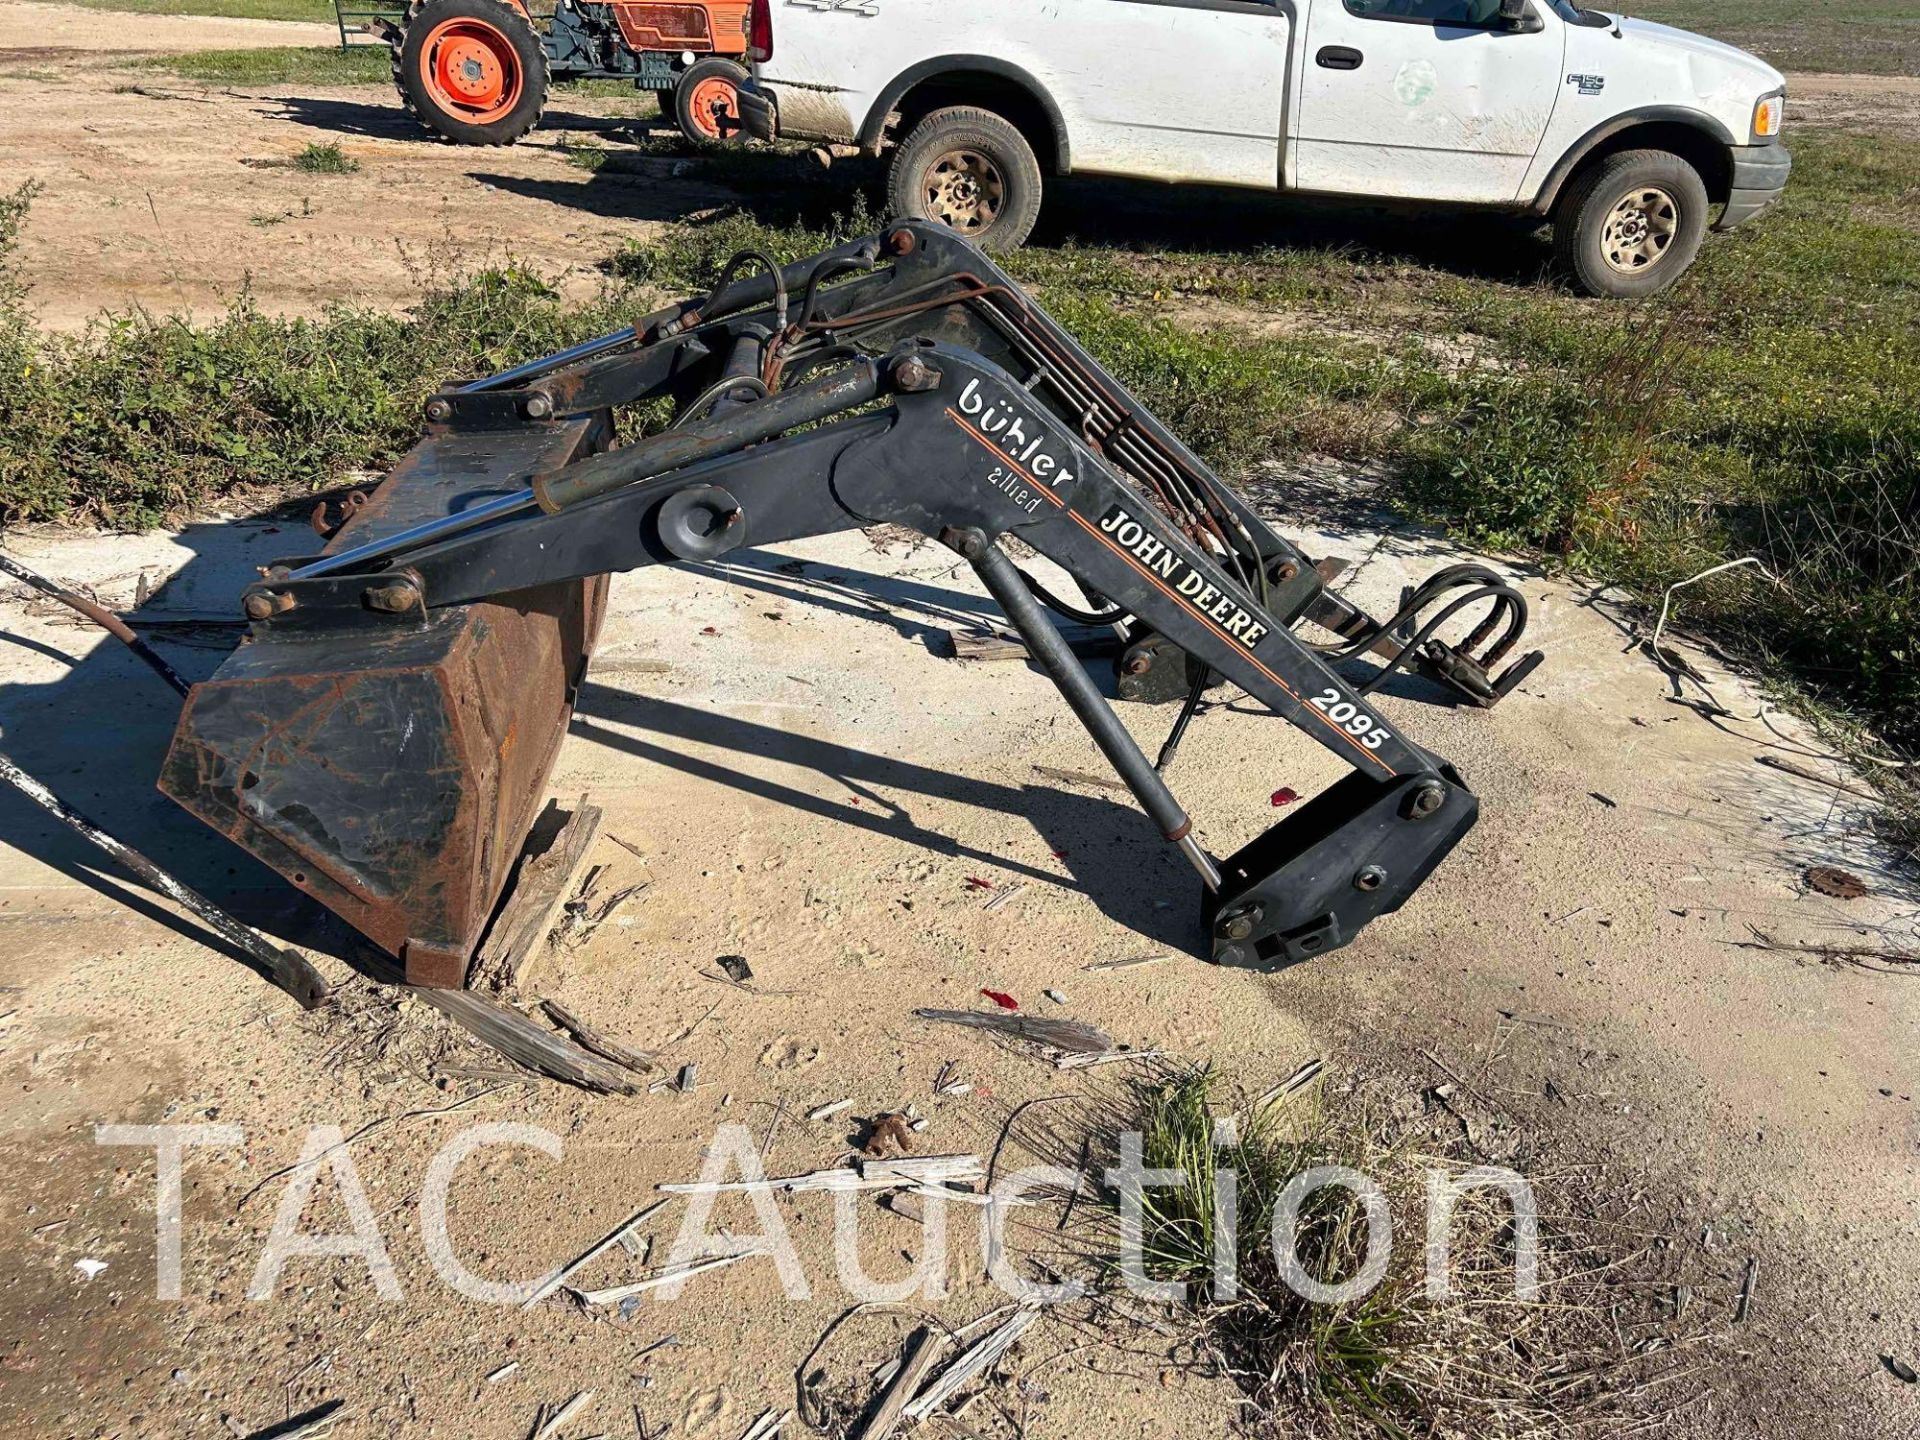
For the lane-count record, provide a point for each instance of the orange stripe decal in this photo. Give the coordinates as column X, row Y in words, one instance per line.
column 1160, row 585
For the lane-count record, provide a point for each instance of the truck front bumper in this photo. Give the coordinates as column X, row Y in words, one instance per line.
column 1759, row 175
column 758, row 116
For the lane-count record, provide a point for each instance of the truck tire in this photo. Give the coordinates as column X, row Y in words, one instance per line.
column 1631, row 225
column 706, row 102
column 472, row 71
column 970, row 170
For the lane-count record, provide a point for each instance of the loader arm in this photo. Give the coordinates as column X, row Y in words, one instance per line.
column 904, row 380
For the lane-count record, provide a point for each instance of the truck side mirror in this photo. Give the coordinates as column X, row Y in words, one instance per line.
column 1518, row 15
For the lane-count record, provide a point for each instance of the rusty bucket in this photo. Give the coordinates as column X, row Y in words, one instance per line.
column 392, row 769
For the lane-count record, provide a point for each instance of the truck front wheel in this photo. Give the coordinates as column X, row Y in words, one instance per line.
column 1631, row 225
column 971, row 171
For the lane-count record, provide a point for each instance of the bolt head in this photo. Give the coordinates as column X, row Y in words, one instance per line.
column 438, row 410
column 539, row 407
column 914, row 374
column 259, row 606
column 1425, row 800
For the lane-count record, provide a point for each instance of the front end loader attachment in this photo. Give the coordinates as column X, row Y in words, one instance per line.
column 384, row 736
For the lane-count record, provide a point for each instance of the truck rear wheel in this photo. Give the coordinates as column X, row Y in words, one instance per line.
column 706, row 102
column 1631, row 225
column 971, row 171
column 472, row 71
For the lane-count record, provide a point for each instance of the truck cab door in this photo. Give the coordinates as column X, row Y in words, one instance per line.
column 1424, row 99
column 1176, row 89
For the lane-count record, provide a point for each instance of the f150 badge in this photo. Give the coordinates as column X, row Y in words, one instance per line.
column 1589, row 84
column 845, row 7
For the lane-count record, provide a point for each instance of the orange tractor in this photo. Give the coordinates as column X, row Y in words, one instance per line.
column 478, row 71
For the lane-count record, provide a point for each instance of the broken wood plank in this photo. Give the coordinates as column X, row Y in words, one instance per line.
column 602, row 1045
column 976, row 643
column 922, row 1350
column 551, row 1425
column 617, row 1293
column 519, row 1039
column 285, row 967
column 518, row 935
column 906, row 1173
column 976, row 1360
column 593, row 1252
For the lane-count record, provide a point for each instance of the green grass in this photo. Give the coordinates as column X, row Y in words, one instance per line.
column 1394, row 1361
column 316, row 10
column 281, row 65
column 141, row 416
column 1880, row 37
column 1769, row 405
column 327, row 159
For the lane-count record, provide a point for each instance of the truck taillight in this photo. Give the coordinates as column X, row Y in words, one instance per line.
column 760, row 30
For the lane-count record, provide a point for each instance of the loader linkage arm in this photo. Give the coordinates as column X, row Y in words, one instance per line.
column 902, row 379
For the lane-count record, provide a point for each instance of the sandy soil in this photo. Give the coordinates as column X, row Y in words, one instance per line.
column 811, row 786
column 177, row 196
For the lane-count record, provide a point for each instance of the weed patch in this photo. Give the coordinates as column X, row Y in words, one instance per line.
column 327, row 159
column 281, row 65
column 1337, row 1328
column 140, row 417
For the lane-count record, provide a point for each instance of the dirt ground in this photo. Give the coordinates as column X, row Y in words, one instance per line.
column 797, row 774
column 177, row 196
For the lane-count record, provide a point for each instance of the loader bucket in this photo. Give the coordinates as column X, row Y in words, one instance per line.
column 392, row 770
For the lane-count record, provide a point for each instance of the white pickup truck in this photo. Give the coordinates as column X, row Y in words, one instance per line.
column 1623, row 133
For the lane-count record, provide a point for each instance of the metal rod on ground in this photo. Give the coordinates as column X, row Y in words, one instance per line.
column 100, row 616
column 288, row 969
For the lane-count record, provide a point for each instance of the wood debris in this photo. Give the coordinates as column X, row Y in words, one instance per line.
column 1073, row 1036
column 1128, row 964
column 1104, row 1057
column 615, row 1294
column 923, row 1348
column 767, row 1426
column 831, row 1108
column 975, row 1361
column 593, row 1252
column 865, row 1175
column 518, row 936
column 604, row 1046
column 1305, row 1075
column 545, row 1426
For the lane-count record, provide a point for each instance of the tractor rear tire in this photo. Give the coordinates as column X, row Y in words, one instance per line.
column 472, row 71
column 706, row 102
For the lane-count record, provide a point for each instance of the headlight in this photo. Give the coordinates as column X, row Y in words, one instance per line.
column 1767, row 116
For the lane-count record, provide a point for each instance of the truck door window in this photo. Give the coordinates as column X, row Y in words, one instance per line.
column 1463, row 14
